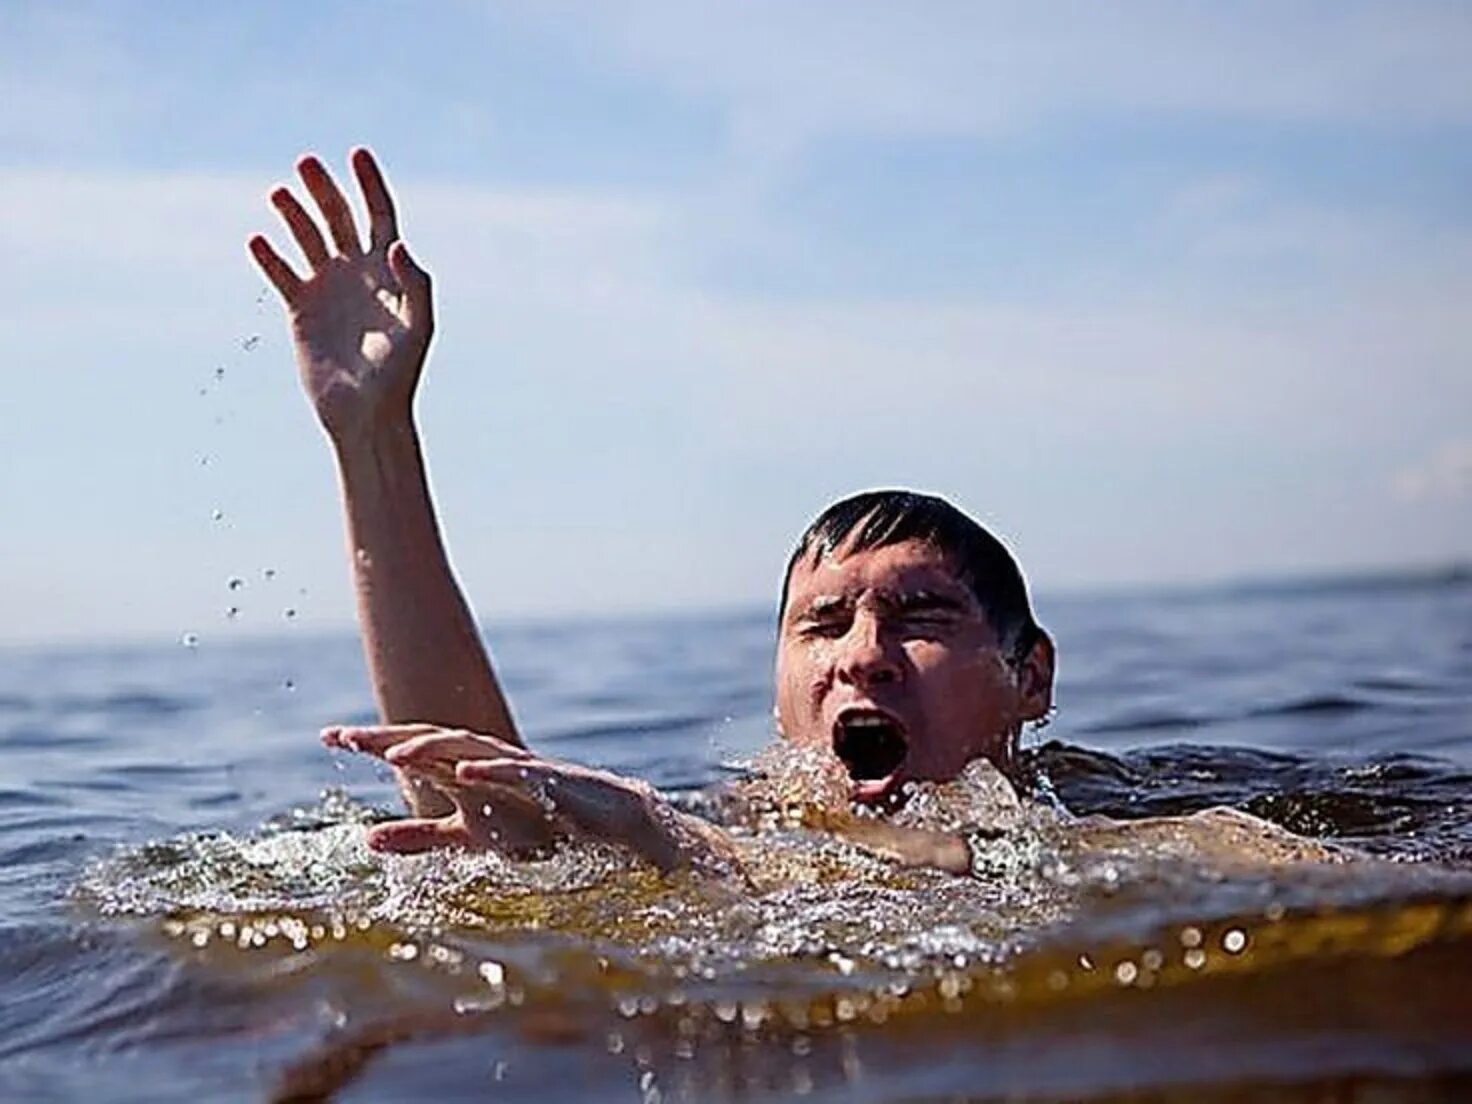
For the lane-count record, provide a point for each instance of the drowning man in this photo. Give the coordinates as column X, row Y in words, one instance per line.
column 907, row 648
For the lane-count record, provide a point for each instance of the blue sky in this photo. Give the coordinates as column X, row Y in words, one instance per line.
column 1165, row 293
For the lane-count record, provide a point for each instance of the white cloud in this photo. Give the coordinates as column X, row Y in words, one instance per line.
column 594, row 288
column 580, row 363
column 786, row 70
column 1444, row 475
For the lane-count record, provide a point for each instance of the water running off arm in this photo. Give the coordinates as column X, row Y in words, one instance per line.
column 361, row 322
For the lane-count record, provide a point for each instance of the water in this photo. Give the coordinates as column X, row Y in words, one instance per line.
column 185, row 914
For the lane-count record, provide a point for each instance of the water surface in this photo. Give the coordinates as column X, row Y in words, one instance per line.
column 186, row 913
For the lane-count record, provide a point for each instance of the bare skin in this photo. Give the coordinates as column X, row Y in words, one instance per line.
column 888, row 630
column 511, row 800
column 893, row 632
column 361, row 322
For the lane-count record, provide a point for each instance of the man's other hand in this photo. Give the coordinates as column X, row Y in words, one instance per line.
column 512, row 801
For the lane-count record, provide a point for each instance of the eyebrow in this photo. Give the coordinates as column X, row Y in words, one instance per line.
column 917, row 601
column 825, row 605
column 925, row 601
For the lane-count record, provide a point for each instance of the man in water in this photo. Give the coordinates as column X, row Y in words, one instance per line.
column 906, row 649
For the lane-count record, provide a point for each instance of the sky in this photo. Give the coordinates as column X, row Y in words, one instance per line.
column 1163, row 293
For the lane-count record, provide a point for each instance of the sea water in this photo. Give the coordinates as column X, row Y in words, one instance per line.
column 189, row 909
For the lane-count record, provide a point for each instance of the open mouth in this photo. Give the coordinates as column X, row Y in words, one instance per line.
column 872, row 746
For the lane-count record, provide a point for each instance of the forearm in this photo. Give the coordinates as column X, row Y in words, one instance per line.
column 914, row 847
column 424, row 653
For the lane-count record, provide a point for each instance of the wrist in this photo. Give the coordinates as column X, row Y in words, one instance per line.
column 373, row 432
column 377, row 448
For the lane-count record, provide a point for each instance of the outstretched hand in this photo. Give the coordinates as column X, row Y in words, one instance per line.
column 362, row 318
column 510, row 800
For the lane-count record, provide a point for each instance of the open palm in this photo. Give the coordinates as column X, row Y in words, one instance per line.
column 362, row 319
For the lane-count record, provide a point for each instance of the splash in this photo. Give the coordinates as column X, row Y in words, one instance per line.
column 828, row 961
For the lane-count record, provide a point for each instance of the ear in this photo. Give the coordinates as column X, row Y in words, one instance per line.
column 1035, row 680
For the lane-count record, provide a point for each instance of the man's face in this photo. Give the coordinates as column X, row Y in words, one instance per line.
column 886, row 657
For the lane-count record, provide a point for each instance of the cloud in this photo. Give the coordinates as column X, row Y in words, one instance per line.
column 1445, row 475
column 582, row 361
column 786, row 70
column 595, row 290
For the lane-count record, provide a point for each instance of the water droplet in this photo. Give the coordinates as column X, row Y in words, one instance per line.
column 217, row 515
column 288, row 685
column 268, row 574
column 289, row 613
column 204, row 461
column 233, row 612
column 250, row 342
column 219, row 373
column 235, row 582
column 190, row 640
column 1234, row 941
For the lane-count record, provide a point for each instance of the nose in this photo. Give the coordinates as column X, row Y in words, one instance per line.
column 864, row 659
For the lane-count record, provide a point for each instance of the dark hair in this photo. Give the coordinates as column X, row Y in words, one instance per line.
column 877, row 519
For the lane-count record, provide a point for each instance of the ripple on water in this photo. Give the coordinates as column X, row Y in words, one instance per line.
column 824, row 943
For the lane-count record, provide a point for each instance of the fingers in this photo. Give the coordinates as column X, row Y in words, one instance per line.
column 383, row 223
column 407, row 837
column 497, row 772
column 286, row 282
column 449, row 748
column 373, row 739
column 428, row 747
column 302, row 227
column 334, row 207
column 419, row 745
column 418, row 299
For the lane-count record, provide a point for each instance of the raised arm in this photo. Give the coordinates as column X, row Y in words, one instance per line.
column 361, row 320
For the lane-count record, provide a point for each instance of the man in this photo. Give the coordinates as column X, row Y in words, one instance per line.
column 907, row 647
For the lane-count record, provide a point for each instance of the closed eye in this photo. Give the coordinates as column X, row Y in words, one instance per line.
column 928, row 625
column 825, row 630
column 929, row 611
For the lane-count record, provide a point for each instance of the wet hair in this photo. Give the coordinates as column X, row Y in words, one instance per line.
column 877, row 519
